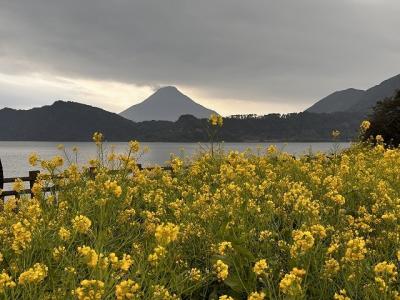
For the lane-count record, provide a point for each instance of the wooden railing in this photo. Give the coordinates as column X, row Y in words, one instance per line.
column 31, row 179
column 33, row 175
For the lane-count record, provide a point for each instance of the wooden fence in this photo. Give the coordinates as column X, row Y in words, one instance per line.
column 33, row 175
column 31, row 179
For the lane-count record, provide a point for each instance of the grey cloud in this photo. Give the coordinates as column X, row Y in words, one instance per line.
column 296, row 51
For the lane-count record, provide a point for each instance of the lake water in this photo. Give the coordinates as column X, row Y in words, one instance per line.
column 14, row 155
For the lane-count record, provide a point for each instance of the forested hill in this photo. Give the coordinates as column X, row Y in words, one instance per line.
column 297, row 127
column 70, row 121
column 63, row 121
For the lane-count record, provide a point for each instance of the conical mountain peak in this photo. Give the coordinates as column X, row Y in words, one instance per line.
column 166, row 104
column 168, row 88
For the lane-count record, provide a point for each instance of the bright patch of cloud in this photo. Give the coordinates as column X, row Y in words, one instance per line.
column 41, row 89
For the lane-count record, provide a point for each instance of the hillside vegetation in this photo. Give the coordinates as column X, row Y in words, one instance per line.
column 70, row 121
column 385, row 121
column 225, row 226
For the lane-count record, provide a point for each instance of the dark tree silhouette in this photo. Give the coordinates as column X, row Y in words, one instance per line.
column 385, row 121
column 70, row 121
column 1, row 176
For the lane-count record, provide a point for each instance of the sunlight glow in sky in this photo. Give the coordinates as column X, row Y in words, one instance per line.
column 232, row 56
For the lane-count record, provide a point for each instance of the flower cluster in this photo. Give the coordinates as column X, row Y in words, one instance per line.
column 291, row 283
column 89, row 290
column 303, row 241
column 157, row 255
column 256, row 296
column 356, row 250
column 224, row 247
column 98, row 138
column 22, row 237
column 113, row 187
column 6, row 282
column 261, row 267
column 166, row 233
column 226, row 225
column 81, row 224
column 365, row 125
column 216, row 120
column 221, row 270
column 127, row 289
column 18, row 185
column 33, row 275
column 64, row 234
column 89, row 256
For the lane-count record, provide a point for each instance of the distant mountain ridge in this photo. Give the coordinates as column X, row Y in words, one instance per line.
column 337, row 101
column 377, row 93
column 354, row 100
column 166, row 104
column 63, row 121
column 71, row 121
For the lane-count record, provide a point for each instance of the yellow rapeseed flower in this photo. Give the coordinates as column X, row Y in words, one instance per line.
column 223, row 247
column 342, row 295
column 225, row 297
column 58, row 252
column 97, row 138
column 195, row 274
column 291, row 283
column 264, row 235
column 6, row 282
column 81, row 224
column 134, row 146
column 331, row 268
column 64, row 234
column 22, row 237
column 157, row 255
column 261, row 267
column 256, row 296
column 127, row 289
column 89, row 290
column 33, row 159
column 89, row 255
column 303, row 241
column 33, row 275
column 365, row 125
column 216, row 120
column 113, row 187
column 221, row 270
column 125, row 262
column 355, row 250
column 166, row 233
column 161, row 293
column 18, row 185
column 387, row 270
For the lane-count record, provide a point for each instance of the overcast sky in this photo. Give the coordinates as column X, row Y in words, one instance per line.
column 234, row 56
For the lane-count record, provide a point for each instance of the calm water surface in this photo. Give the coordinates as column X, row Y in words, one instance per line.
column 14, row 155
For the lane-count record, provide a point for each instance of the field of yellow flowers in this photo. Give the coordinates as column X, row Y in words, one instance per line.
column 229, row 226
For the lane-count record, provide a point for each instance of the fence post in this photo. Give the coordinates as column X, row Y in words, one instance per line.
column 92, row 172
column 33, row 175
column 1, row 180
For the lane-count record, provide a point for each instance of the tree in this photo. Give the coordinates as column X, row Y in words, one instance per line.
column 385, row 121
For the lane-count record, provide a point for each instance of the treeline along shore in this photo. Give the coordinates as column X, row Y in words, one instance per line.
column 71, row 121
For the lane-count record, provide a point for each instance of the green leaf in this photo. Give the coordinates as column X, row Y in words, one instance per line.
column 233, row 281
column 244, row 252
